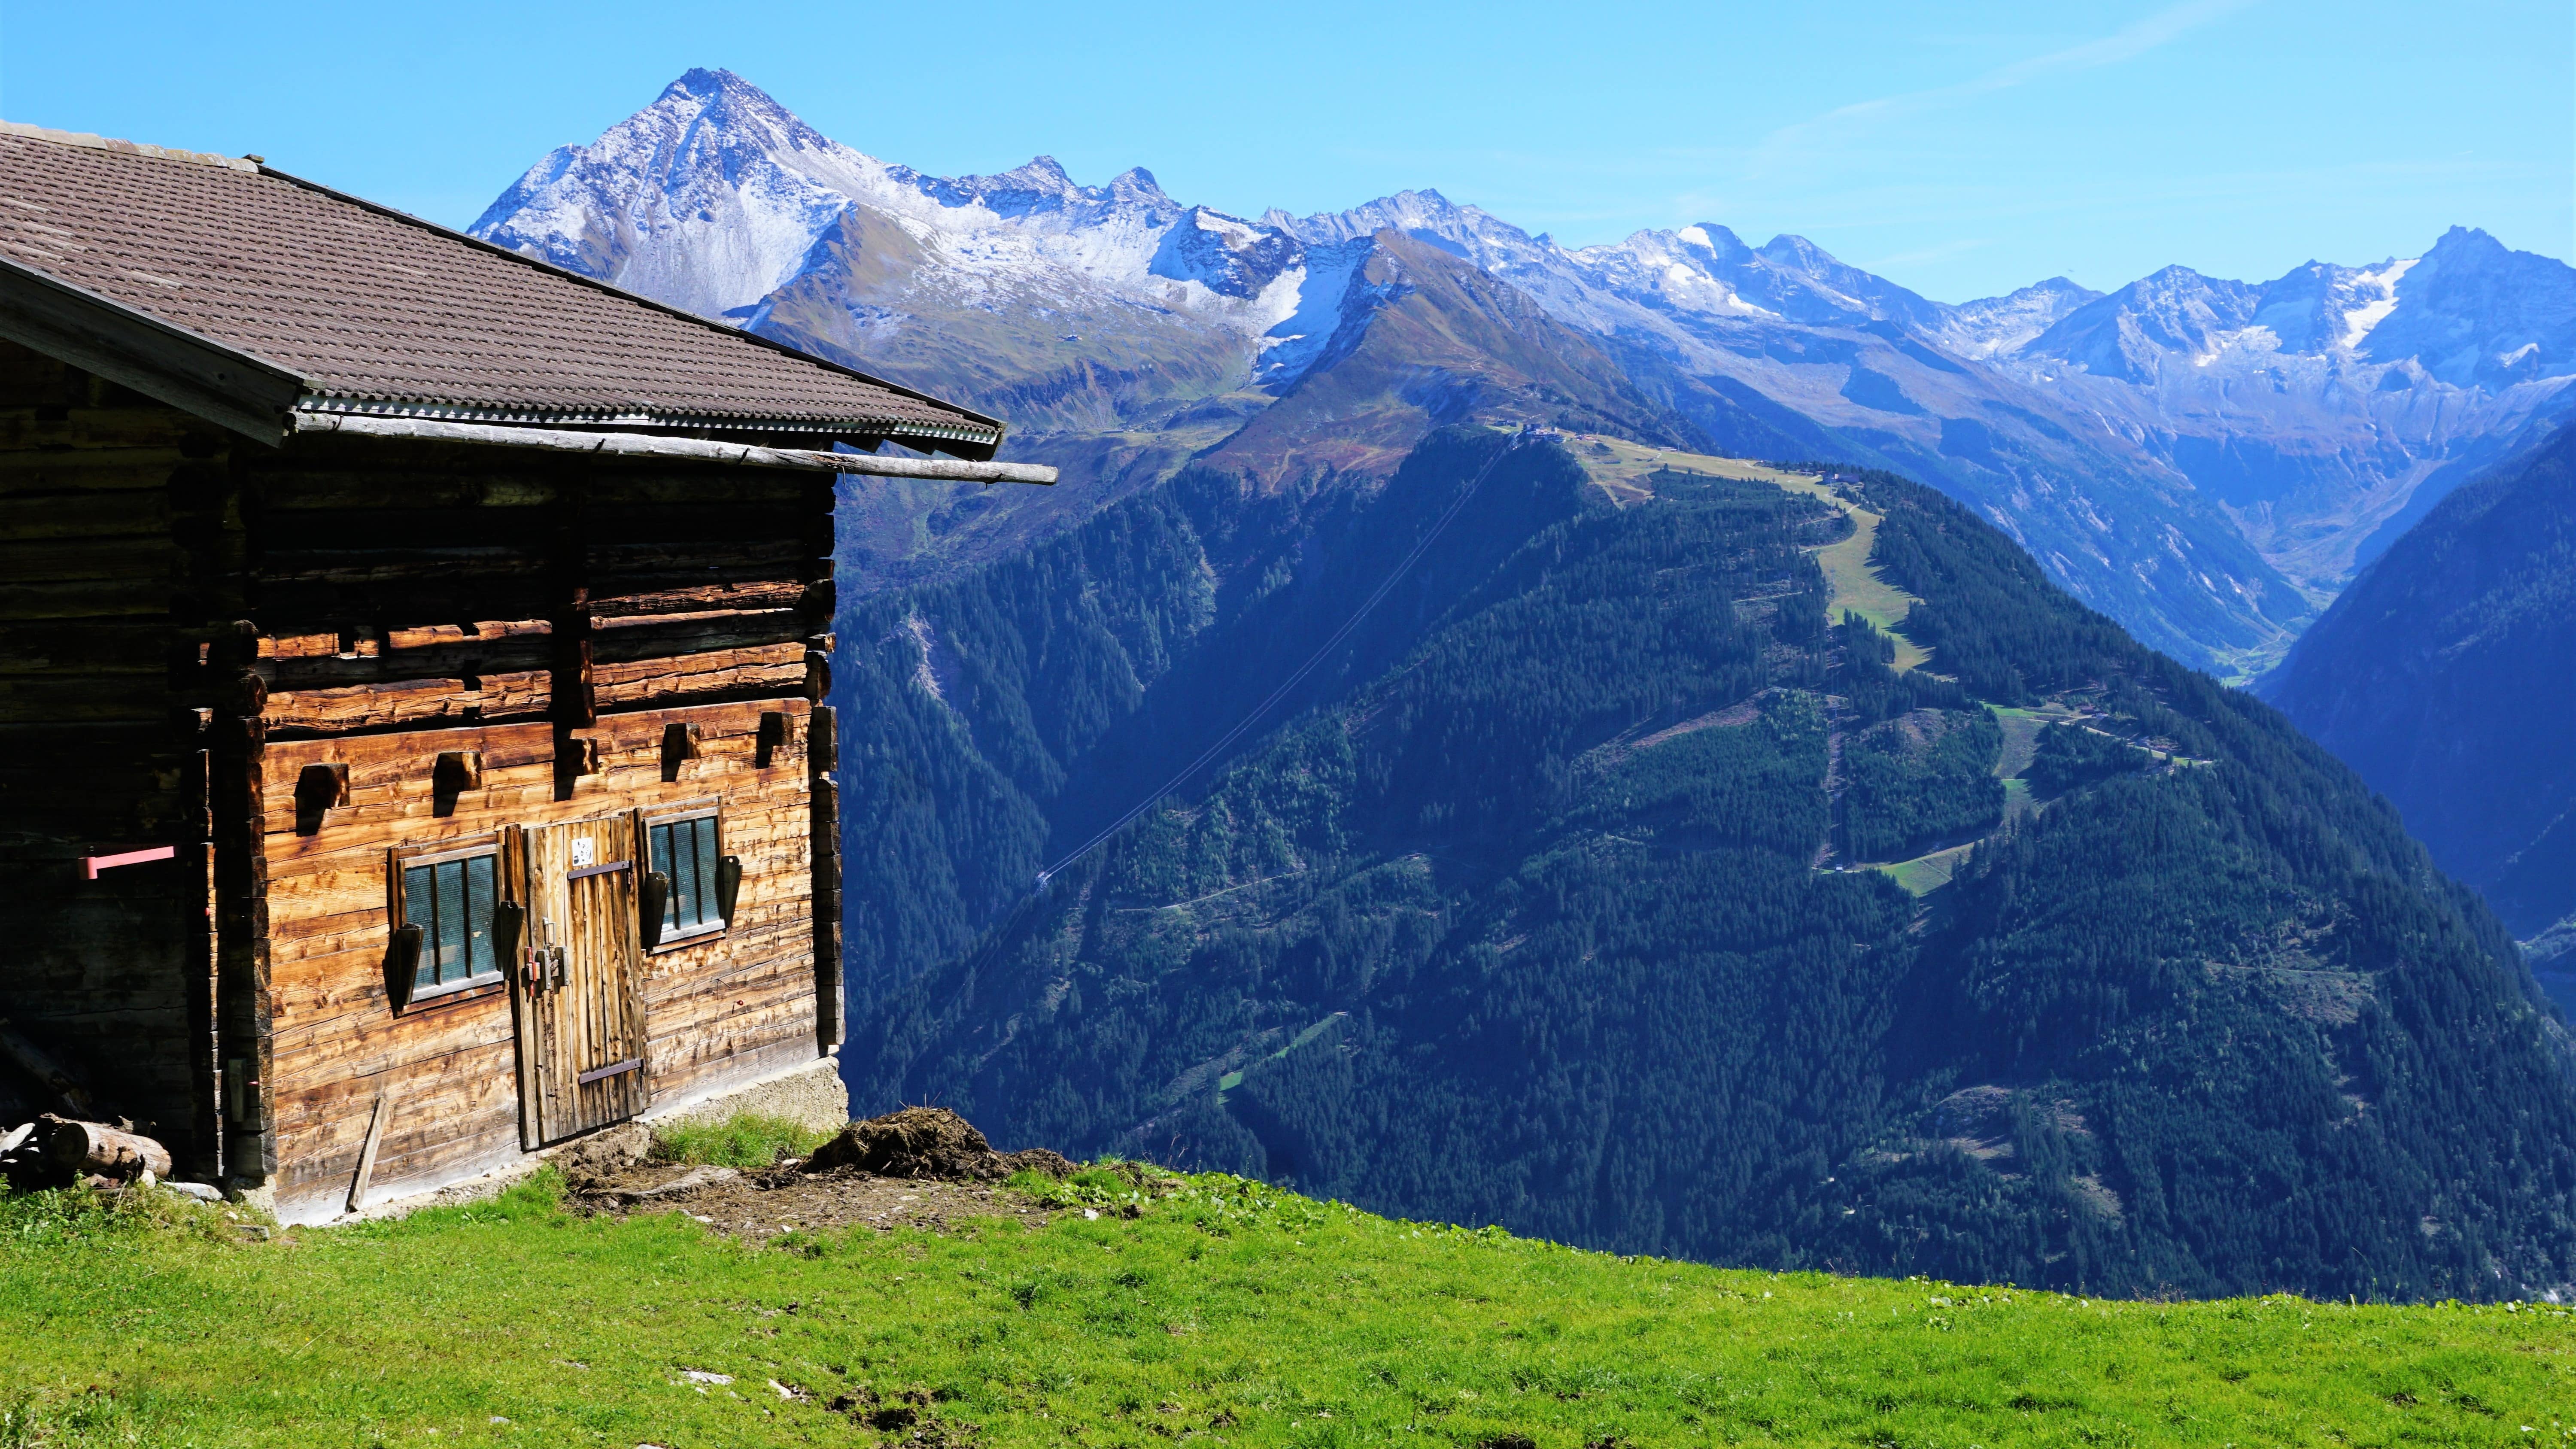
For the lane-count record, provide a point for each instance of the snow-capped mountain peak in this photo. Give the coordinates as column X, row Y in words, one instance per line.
column 2163, row 447
column 2474, row 312
column 716, row 197
column 706, row 199
column 1995, row 326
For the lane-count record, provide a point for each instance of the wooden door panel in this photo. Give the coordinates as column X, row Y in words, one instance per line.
column 582, row 1020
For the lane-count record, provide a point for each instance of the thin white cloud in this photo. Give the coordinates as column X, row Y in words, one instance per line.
column 2125, row 44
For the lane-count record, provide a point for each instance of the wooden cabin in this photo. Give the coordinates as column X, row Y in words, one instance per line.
column 413, row 752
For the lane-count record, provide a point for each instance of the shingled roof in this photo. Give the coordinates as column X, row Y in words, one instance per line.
column 254, row 294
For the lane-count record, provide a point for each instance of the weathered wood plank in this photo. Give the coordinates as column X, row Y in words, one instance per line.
column 777, row 668
column 689, row 563
column 772, row 594
column 143, row 512
column 477, row 658
column 103, row 598
column 26, row 699
column 290, row 489
column 627, row 641
column 324, row 898
column 125, row 646
column 482, row 631
column 367, row 1151
column 389, row 565
column 317, row 603
column 68, row 560
column 410, row 702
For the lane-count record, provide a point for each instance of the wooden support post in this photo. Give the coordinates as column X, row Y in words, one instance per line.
column 207, row 523
column 197, row 869
column 367, row 1153
column 576, row 702
column 822, row 758
column 241, row 949
column 822, row 748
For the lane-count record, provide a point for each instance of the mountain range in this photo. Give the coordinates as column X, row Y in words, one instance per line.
column 2206, row 460
column 1602, row 834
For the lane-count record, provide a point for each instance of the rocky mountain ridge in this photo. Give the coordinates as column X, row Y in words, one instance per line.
column 2206, row 460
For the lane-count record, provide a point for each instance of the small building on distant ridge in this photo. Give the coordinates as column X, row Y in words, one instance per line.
column 413, row 748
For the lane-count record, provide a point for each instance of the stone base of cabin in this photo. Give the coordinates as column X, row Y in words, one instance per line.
column 810, row 1094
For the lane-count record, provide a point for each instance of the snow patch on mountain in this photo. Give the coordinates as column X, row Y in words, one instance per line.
column 2380, row 290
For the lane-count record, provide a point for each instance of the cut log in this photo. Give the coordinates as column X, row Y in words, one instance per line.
column 96, row 1148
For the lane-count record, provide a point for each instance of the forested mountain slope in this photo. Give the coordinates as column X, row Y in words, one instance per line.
column 2447, row 677
column 1541, row 910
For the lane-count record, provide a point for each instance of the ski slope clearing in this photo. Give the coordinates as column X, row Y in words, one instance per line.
column 1625, row 471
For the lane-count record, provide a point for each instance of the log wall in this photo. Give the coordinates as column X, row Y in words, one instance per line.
column 188, row 621
column 551, row 619
column 716, row 1010
column 114, row 531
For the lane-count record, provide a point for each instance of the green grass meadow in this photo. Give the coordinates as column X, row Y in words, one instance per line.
column 1223, row 1313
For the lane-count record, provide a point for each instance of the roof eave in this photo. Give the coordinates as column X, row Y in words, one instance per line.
column 641, row 445
column 161, row 360
column 977, row 439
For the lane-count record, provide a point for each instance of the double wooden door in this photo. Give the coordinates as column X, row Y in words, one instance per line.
column 580, row 980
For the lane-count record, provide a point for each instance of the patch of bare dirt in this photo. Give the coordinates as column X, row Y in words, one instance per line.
column 922, row 1167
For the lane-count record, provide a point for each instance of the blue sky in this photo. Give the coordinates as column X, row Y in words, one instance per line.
column 1961, row 149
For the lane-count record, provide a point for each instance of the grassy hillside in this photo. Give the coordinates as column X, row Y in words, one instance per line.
column 1224, row 1312
column 1547, row 913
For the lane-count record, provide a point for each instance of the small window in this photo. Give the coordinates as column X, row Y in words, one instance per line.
column 451, row 902
column 685, row 851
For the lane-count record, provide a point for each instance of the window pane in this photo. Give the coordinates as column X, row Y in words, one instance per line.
column 420, row 908
column 451, row 903
column 685, row 851
column 451, row 921
column 479, row 899
column 710, row 910
column 684, row 874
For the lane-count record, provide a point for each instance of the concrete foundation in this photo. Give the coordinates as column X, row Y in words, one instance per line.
column 809, row 1094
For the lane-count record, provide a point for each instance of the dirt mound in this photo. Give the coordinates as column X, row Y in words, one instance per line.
column 928, row 1143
